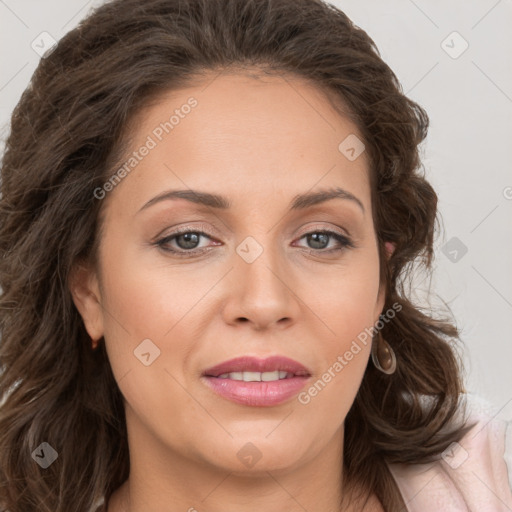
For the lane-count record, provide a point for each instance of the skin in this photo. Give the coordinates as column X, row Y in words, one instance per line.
column 259, row 142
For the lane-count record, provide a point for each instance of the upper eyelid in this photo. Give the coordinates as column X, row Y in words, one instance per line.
column 206, row 231
column 192, row 229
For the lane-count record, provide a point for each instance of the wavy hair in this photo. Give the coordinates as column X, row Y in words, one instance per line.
column 67, row 132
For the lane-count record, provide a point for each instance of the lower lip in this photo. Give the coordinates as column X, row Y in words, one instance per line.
column 257, row 393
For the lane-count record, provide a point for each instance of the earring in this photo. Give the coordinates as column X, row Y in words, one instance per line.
column 94, row 344
column 383, row 356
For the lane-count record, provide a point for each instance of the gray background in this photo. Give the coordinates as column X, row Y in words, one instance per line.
column 468, row 96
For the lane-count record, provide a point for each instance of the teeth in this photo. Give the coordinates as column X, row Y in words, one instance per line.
column 269, row 376
column 251, row 376
column 256, row 376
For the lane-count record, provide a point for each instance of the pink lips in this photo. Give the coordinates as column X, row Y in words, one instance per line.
column 252, row 364
column 257, row 393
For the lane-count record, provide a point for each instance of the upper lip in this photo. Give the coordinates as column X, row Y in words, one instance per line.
column 254, row 364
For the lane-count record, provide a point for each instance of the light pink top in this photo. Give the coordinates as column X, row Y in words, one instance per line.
column 474, row 475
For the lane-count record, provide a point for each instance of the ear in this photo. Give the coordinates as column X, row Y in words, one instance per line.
column 390, row 248
column 84, row 287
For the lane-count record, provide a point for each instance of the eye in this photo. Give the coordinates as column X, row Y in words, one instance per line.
column 319, row 241
column 186, row 242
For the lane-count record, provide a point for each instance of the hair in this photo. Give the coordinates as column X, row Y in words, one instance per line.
column 68, row 129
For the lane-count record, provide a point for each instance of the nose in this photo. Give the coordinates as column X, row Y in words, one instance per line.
column 261, row 292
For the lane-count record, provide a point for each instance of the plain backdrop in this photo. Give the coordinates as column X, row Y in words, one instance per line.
column 453, row 58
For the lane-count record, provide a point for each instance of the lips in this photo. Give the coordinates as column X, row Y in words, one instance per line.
column 254, row 382
column 253, row 364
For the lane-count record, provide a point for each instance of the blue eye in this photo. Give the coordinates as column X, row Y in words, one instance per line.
column 186, row 242
column 322, row 238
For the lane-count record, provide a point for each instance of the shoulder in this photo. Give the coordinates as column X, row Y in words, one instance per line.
column 473, row 474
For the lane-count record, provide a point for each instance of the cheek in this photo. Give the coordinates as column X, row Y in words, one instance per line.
column 147, row 300
column 345, row 354
column 348, row 308
column 332, row 391
column 148, row 334
column 349, row 299
column 150, row 300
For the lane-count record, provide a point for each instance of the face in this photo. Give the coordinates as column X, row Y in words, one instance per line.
column 265, row 274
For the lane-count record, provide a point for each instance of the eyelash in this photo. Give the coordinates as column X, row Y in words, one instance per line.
column 346, row 243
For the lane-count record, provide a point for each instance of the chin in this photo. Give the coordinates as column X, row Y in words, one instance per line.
column 257, row 456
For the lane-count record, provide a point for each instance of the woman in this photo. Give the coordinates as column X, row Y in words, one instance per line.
column 209, row 210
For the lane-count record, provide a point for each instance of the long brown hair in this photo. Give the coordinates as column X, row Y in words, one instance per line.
column 66, row 132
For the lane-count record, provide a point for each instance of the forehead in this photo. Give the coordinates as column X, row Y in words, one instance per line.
column 246, row 134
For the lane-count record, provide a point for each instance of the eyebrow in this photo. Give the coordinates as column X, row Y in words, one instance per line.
column 299, row 202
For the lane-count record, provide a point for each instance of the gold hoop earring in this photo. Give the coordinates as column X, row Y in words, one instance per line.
column 383, row 356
